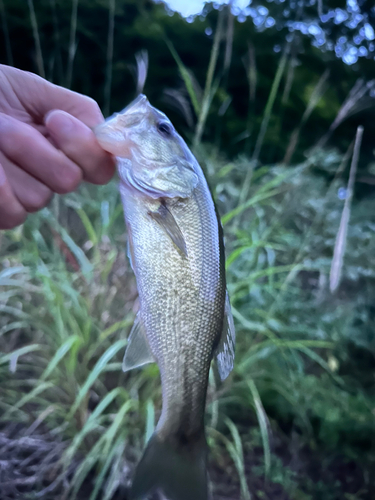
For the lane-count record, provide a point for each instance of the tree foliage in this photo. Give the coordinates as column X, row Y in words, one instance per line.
column 144, row 25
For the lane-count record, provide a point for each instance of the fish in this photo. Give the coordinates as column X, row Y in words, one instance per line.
column 176, row 250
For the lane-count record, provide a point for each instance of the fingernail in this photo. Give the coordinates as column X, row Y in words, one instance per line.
column 59, row 122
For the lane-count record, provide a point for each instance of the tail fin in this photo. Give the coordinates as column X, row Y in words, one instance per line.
column 179, row 472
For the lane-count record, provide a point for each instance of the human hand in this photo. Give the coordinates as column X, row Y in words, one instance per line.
column 46, row 144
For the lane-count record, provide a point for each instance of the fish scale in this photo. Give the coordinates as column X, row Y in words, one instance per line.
column 182, row 328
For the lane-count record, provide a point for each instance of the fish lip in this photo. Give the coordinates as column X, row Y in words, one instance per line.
column 108, row 138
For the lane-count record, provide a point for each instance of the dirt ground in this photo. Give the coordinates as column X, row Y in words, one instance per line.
column 29, row 470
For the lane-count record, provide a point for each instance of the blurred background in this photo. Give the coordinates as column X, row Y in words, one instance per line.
column 276, row 99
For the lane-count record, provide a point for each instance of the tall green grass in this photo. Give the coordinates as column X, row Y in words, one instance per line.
column 68, row 299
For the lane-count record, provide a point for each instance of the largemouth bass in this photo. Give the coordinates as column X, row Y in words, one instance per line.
column 177, row 254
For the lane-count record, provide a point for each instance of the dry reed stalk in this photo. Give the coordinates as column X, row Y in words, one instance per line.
column 38, row 48
column 313, row 226
column 178, row 100
column 108, row 78
column 229, row 38
column 251, row 74
column 341, row 238
column 290, row 73
column 72, row 43
column 56, row 34
column 355, row 102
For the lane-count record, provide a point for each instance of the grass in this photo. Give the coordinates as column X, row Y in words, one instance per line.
column 67, row 307
column 38, row 48
column 300, row 400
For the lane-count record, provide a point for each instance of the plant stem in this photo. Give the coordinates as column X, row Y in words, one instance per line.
column 108, row 80
column 38, row 48
column 56, row 33
column 313, row 101
column 264, row 125
column 72, row 43
column 207, row 95
column 340, row 244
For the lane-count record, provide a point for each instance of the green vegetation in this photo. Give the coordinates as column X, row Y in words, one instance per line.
column 296, row 419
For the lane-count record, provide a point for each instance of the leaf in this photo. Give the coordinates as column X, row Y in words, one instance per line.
column 263, row 425
column 252, row 201
column 117, row 449
column 236, row 452
column 41, row 387
column 60, row 353
column 186, row 77
column 95, row 372
column 5, row 358
column 150, row 420
column 15, row 325
column 118, row 421
column 88, row 226
column 85, row 264
column 92, row 423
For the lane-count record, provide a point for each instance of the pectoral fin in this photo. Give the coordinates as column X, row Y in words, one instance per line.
column 166, row 220
column 225, row 350
column 138, row 352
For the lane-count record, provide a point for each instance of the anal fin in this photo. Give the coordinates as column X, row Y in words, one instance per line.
column 138, row 352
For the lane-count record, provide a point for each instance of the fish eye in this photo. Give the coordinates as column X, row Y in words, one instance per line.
column 164, row 128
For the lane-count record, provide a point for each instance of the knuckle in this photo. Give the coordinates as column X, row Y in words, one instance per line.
column 38, row 200
column 13, row 219
column 101, row 174
column 14, row 142
column 68, row 180
column 8, row 136
column 20, row 218
column 91, row 103
column 91, row 111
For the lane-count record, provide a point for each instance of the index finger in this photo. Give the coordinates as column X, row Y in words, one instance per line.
column 38, row 96
column 79, row 143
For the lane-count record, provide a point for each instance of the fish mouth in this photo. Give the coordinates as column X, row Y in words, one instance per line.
column 113, row 134
column 110, row 138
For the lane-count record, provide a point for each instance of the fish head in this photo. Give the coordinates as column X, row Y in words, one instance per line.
column 151, row 156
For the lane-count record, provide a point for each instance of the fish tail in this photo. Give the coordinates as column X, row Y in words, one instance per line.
column 177, row 470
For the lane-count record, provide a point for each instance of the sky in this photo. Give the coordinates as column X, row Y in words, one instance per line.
column 347, row 49
column 191, row 7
